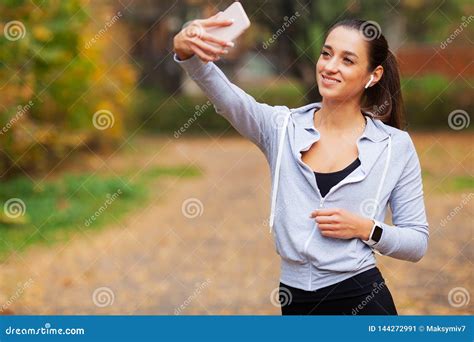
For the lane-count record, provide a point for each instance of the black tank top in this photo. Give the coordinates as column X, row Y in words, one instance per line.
column 326, row 181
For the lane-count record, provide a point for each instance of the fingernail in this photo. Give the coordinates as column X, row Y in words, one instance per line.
column 231, row 20
column 225, row 51
column 230, row 44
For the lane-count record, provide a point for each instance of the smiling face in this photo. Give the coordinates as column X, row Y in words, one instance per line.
column 342, row 68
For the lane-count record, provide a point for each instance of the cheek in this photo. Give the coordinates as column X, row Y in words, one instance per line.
column 319, row 64
column 353, row 74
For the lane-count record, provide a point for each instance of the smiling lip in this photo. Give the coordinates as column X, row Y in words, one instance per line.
column 330, row 78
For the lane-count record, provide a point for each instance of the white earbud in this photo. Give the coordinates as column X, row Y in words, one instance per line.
column 370, row 81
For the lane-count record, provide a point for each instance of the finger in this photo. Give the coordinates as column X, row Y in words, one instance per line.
column 217, row 22
column 326, row 226
column 329, row 233
column 201, row 54
column 212, row 39
column 324, row 220
column 325, row 212
column 208, row 48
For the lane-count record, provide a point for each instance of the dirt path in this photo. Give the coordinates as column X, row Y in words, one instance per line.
column 158, row 261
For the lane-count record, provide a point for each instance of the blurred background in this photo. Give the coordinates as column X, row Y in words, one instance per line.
column 123, row 192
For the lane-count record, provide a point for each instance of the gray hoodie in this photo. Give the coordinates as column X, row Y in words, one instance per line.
column 389, row 174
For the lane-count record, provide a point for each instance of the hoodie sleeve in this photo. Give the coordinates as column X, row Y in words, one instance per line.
column 252, row 119
column 407, row 239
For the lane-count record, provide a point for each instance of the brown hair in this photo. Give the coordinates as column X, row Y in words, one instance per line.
column 384, row 99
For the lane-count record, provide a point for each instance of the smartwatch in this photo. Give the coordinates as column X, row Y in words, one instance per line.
column 375, row 234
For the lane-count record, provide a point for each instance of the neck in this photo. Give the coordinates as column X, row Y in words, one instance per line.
column 339, row 115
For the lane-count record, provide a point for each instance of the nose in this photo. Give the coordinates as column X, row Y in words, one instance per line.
column 331, row 66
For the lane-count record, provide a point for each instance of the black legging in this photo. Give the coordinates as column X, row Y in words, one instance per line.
column 363, row 294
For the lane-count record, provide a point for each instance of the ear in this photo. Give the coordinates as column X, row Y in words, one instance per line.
column 378, row 72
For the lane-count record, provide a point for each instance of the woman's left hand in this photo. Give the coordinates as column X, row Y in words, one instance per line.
column 342, row 224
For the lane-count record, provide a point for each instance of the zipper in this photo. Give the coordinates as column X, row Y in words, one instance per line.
column 321, row 204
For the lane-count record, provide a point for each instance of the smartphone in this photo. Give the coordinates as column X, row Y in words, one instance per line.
column 241, row 23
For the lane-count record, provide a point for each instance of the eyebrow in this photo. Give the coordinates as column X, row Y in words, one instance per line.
column 345, row 51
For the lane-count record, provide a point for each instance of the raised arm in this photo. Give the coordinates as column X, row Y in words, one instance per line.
column 408, row 238
column 250, row 118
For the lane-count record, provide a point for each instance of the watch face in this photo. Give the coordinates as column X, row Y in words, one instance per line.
column 377, row 233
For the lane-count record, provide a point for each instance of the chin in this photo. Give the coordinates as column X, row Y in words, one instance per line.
column 329, row 94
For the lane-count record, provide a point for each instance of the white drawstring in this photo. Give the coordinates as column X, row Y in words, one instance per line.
column 277, row 174
column 382, row 180
column 277, row 170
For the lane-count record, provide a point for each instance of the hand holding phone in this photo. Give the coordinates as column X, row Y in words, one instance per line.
column 209, row 38
column 241, row 22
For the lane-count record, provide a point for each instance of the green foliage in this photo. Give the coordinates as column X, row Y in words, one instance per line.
column 429, row 100
column 52, row 84
column 56, row 209
column 161, row 113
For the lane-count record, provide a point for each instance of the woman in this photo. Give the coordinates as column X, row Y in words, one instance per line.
column 335, row 167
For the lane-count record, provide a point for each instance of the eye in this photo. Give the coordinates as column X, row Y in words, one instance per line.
column 324, row 53
column 348, row 60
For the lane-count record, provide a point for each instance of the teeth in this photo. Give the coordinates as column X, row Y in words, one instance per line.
column 329, row 80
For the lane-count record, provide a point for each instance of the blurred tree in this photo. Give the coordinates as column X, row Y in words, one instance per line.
column 58, row 67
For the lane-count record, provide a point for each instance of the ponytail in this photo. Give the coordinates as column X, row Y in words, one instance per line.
column 384, row 99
